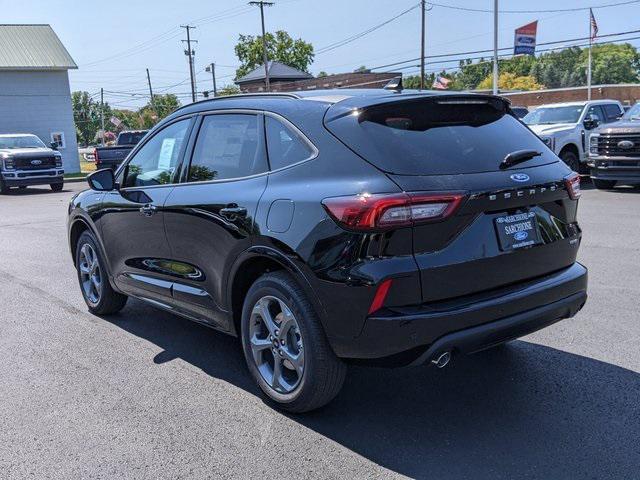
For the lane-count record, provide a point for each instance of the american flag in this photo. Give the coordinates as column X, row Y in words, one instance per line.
column 594, row 25
column 441, row 83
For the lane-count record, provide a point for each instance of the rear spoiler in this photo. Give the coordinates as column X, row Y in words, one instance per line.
column 364, row 111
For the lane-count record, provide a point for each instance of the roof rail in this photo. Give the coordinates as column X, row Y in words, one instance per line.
column 242, row 95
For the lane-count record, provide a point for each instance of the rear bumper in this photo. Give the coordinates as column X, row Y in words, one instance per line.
column 416, row 335
column 23, row 178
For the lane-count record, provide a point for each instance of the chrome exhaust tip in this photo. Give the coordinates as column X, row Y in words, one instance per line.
column 442, row 360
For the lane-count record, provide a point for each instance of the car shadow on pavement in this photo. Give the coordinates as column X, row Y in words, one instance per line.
column 519, row 411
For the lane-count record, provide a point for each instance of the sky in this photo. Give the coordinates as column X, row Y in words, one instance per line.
column 114, row 41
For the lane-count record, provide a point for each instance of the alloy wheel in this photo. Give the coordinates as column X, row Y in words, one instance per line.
column 276, row 344
column 90, row 274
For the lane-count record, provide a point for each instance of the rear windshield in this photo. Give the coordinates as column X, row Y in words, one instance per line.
column 130, row 138
column 437, row 137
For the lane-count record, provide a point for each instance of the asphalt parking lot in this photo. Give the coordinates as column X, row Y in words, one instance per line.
column 148, row 395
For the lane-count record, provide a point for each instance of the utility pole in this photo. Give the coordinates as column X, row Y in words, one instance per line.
column 212, row 68
column 262, row 4
column 102, row 116
column 495, row 47
column 190, row 53
column 153, row 105
column 423, row 6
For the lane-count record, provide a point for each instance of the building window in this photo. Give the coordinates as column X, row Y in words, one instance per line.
column 58, row 137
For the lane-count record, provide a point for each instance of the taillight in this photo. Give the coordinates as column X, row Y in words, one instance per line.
column 572, row 182
column 384, row 211
column 95, row 156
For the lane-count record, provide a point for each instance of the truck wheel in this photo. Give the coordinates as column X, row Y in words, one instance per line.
column 571, row 160
column 57, row 187
column 3, row 188
column 603, row 184
column 285, row 346
column 94, row 282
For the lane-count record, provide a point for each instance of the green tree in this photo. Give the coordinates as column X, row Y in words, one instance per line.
column 322, row 74
column 413, row 82
column 511, row 81
column 280, row 47
column 130, row 120
column 228, row 90
column 86, row 115
column 162, row 106
column 471, row 74
column 614, row 64
column 361, row 69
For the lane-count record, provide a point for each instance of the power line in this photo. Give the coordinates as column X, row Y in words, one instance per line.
column 504, row 55
column 359, row 35
column 473, row 52
column 556, row 10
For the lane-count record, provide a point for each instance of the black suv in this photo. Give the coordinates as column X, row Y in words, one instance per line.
column 326, row 227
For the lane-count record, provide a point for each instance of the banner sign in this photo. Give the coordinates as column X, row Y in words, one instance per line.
column 525, row 40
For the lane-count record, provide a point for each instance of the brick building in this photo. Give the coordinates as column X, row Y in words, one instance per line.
column 283, row 78
column 627, row 94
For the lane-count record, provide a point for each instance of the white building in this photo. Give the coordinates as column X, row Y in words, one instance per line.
column 34, row 88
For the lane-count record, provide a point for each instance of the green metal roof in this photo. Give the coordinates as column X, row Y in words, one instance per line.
column 32, row 47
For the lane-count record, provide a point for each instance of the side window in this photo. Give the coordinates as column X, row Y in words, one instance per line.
column 155, row 163
column 285, row 146
column 596, row 111
column 228, row 146
column 612, row 112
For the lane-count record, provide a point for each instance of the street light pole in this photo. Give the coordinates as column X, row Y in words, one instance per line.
column 262, row 4
column 495, row 47
column 423, row 5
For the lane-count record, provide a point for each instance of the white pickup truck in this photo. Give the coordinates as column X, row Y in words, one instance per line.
column 564, row 127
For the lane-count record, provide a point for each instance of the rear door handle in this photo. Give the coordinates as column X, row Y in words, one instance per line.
column 233, row 212
column 148, row 209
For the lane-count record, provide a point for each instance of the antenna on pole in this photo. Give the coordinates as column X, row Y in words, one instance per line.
column 189, row 52
column 263, row 4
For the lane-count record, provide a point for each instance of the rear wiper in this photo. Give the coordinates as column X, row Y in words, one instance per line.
column 518, row 156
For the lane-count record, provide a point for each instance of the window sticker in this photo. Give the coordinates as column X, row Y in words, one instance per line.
column 166, row 153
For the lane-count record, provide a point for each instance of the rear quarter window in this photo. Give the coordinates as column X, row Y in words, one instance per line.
column 431, row 138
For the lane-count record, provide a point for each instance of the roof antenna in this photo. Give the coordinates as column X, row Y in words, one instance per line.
column 395, row 84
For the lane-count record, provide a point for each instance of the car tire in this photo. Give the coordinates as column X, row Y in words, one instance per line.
column 57, row 187
column 571, row 160
column 310, row 374
column 3, row 188
column 603, row 184
column 96, row 290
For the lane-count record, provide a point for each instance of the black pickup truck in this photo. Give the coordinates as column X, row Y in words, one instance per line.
column 111, row 157
column 25, row 160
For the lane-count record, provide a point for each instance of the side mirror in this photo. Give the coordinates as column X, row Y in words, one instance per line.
column 102, row 180
column 591, row 122
column 54, row 145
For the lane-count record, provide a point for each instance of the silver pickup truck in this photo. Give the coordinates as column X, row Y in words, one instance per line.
column 565, row 127
column 25, row 160
column 614, row 151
